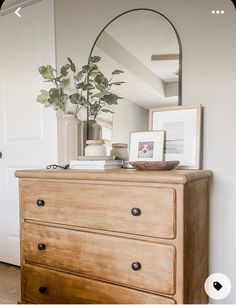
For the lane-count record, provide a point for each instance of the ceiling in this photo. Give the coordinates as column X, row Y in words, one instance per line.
column 144, row 33
column 135, row 89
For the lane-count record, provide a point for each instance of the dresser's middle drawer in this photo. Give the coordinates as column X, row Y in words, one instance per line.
column 147, row 211
column 134, row 263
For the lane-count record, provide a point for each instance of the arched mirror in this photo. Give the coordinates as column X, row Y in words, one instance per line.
column 146, row 47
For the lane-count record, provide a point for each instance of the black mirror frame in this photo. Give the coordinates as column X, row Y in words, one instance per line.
column 177, row 35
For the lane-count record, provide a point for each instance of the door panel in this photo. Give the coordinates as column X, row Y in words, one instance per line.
column 28, row 137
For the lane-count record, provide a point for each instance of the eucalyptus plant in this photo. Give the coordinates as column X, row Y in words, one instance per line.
column 56, row 96
column 92, row 88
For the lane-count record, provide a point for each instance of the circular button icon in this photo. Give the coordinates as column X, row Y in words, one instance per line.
column 217, row 286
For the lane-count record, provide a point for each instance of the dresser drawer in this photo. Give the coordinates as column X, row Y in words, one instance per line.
column 62, row 288
column 102, row 256
column 129, row 209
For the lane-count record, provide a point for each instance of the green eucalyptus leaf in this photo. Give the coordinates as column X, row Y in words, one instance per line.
column 85, row 86
column 101, row 82
column 88, row 87
column 47, row 104
column 111, row 99
column 54, row 101
column 93, row 67
column 107, row 110
column 117, row 72
column 71, row 65
column 73, row 68
column 94, row 73
column 85, row 68
column 77, row 99
column 57, row 96
column 64, row 70
column 46, row 71
column 94, row 59
column 43, row 97
column 80, row 85
column 99, row 78
column 117, row 83
column 100, row 87
column 101, row 94
column 74, row 98
column 105, row 82
column 53, row 92
column 70, row 61
column 79, row 76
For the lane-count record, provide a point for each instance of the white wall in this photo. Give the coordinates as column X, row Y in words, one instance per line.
column 128, row 117
column 208, row 78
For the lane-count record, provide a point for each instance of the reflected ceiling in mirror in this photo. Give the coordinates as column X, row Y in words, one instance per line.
column 145, row 45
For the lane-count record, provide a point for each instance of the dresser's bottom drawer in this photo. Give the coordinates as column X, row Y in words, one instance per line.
column 45, row 286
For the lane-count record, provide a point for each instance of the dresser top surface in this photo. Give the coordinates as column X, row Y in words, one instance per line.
column 122, row 175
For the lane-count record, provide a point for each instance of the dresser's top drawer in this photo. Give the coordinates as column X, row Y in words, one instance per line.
column 44, row 286
column 134, row 263
column 129, row 209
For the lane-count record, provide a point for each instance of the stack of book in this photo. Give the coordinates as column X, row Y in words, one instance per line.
column 88, row 163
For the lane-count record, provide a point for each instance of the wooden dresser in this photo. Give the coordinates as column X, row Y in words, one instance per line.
column 119, row 236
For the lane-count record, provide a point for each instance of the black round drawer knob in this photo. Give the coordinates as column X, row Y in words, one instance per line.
column 42, row 289
column 136, row 266
column 40, row 202
column 41, row 247
column 136, row 211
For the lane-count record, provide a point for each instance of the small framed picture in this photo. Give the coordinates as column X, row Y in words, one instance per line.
column 147, row 146
column 182, row 125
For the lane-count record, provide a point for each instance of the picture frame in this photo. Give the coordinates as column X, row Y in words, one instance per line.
column 147, row 146
column 182, row 125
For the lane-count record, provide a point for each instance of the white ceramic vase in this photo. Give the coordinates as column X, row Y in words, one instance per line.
column 95, row 148
column 70, row 138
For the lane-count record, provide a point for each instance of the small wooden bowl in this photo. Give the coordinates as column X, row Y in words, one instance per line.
column 154, row 165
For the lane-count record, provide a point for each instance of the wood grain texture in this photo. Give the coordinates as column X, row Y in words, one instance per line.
column 98, row 256
column 154, row 165
column 102, row 256
column 10, row 284
column 196, row 242
column 122, row 175
column 165, row 57
column 102, row 207
column 63, row 288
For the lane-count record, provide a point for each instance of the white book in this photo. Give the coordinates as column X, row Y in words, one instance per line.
column 96, row 163
column 95, row 158
column 93, row 167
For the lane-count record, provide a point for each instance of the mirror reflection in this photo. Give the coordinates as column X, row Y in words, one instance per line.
column 144, row 45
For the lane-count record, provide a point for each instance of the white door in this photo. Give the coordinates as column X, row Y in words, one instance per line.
column 28, row 136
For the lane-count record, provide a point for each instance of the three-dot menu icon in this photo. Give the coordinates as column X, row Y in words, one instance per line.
column 217, row 12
